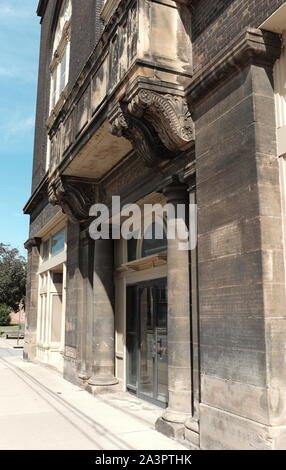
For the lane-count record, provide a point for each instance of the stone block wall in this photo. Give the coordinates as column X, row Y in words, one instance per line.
column 240, row 256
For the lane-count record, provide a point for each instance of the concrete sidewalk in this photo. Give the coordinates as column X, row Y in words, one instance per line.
column 40, row 410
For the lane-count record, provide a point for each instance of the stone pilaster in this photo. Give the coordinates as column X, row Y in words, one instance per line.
column 85, row 317
column 33, row 248
column 73, row 303
column 179, row 325
column 240, row 252
column 103, row 311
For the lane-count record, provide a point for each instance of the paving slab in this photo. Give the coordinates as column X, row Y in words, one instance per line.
column 40, row 410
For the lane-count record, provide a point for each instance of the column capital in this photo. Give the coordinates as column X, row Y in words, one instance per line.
column 85, row 236
column 32, row 243
column 175, row 191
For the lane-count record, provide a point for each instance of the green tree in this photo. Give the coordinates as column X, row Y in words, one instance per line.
column 12, row 276
column 4, row 315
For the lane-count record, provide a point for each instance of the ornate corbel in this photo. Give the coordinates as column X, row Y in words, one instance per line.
column 168, row 114
column 32, row 243
column 140, row 133
column 74, row 195
column 159, row 126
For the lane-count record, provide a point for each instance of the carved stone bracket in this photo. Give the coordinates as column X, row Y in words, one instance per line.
column 158, row 125
column 140, row 133
column 74, row 195
column 32, row 243
column 168, row 114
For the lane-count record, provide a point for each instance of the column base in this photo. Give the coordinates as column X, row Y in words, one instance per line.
column 180, row 426
column 192, row 432
column 169, row 429
column 178, row 417
column 102, row 381
column 84, row 376
column 172, row 424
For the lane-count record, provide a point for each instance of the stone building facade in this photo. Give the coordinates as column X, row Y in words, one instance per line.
column 165, row 102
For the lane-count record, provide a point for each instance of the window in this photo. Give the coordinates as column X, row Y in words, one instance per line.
column 46, row 250
column 58, row 242
column 153, row 243
column 54, row 245
column 59, row 67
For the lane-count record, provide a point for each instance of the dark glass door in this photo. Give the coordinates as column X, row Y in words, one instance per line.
column 147, row 359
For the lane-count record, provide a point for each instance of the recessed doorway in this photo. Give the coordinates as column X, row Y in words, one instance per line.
column 147, row 340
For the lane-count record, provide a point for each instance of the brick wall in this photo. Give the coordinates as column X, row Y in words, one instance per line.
column 216, row 23
column 14, row 316
column 86, row 29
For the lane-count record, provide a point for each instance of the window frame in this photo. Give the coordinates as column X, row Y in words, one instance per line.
column 60, row 53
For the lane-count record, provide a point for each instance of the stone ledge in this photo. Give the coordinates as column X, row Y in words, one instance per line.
column 253, row 46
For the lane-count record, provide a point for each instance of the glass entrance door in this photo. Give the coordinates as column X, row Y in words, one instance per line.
column 147, row 360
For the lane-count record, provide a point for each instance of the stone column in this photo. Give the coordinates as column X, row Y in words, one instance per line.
column 179, row 328
column 103, row 310
column 73, row 298
column 33, row 248
column 86, row 307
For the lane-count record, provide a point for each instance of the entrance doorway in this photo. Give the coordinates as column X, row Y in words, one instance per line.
column 147, row 340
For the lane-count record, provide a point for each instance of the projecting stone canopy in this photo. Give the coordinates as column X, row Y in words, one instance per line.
column 159, row 126
column 74, row 195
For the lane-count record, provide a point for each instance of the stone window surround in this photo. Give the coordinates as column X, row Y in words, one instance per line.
column 48, row 351
column 282, row 168
column 63, row 47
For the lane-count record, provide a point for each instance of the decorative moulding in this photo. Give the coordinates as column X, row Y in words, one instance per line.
column 253, row 46
column 108, row 9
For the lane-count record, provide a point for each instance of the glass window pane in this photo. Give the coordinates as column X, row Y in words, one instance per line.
column 131, row 336
column 63, row 72
column 153, row 242
column 53, row 88
column 46, row 250
column 58, row 242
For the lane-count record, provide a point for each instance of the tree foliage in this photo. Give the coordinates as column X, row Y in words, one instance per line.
column 4, row 315
column 12, row 276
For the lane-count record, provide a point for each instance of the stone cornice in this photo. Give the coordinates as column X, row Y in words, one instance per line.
column 253, row 46
column 42, row 5
column 37, row 196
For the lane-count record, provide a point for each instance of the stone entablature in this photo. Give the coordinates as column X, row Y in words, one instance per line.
column 143, row 38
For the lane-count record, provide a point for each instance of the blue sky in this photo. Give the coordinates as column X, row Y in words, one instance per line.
column 19, row 49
